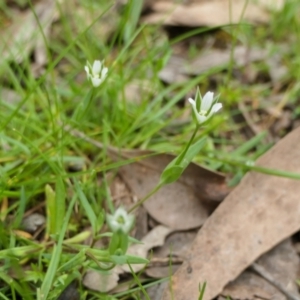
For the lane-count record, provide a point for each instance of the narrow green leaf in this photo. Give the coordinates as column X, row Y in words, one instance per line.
column 55, row 257
column 177, row 166
column 124, row 259
column 19, row 251
column 171, row 174
column 74, row 263
column 51, row 211
column 247, row 146
column 60, row 204
column 21, row 208
column 87, row 207
column 202, row 290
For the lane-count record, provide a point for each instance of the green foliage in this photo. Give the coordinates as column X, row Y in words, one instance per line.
column 44, row 166
column 176, row 167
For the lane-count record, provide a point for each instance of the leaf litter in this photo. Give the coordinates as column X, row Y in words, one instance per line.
column 205, row 190
column 23, row 35
column 209, row 189
column 282, row 262
column 259, row 213
column 108, row 280
column 195, row 194
column 205, row 13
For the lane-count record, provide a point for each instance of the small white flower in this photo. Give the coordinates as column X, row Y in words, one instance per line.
column 120, row 220
column 97, row 73
column 207, row 106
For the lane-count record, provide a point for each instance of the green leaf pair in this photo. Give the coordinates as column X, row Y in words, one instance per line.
column 176, row 167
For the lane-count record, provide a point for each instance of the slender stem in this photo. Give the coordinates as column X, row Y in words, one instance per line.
column 181, row 157
column 146, row 197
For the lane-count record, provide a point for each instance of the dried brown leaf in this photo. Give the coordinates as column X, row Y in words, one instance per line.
column 160, row 272
column 175, row 246
column 23, row 35
column 154, row 292
column 156, row 237
column 192, row 195
column 107, row 281
column 282, row 262
column 177, row 243
column 178, row 68
column 250, row 286
column 209, row 13
column 102, row 281
column 261, row 212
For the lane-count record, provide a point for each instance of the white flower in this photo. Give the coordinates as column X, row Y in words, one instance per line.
column 97, row 73
column 207, row 106
column 120, row 221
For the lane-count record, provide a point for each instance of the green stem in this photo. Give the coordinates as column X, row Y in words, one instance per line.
column 181, row 157
column 146, row 197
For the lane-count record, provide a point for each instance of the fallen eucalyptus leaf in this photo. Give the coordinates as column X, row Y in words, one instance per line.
column 257, row 215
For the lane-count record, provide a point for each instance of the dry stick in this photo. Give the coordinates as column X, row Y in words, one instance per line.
column 266, row 275
column 165, row 261
column 80, row 134
column 112, row 151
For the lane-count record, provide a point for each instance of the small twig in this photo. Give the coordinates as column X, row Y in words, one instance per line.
column 97, row 144
column 113, row 152
column 267, row 276
column 164, row 261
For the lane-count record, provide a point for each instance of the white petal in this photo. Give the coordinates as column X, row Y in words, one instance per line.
column 128, row 220
column 88, row 65
column 96, row 81
column 104, row 72
column 111, row 222
column 128, row 224
column 120, row 212
column 96, row 67
column 193, row 102
column 214, row 109
column 201, row 119
column 87, row 70
column 207, row 101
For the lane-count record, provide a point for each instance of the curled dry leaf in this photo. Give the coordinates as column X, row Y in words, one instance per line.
column 169, row 257
column 176, row 244
column 182, row 205
column 162, row 271
column 102, row 281
column 249, row 286
column 156, row 237
column 107, row 281
column 154, row 292
column 282, row 262
column 258, row 214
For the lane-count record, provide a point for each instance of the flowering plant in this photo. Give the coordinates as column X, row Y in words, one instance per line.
column 96, row 73
column 120, row 221
column 204, row 107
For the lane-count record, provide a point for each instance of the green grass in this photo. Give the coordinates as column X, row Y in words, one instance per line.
column 37, row 152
